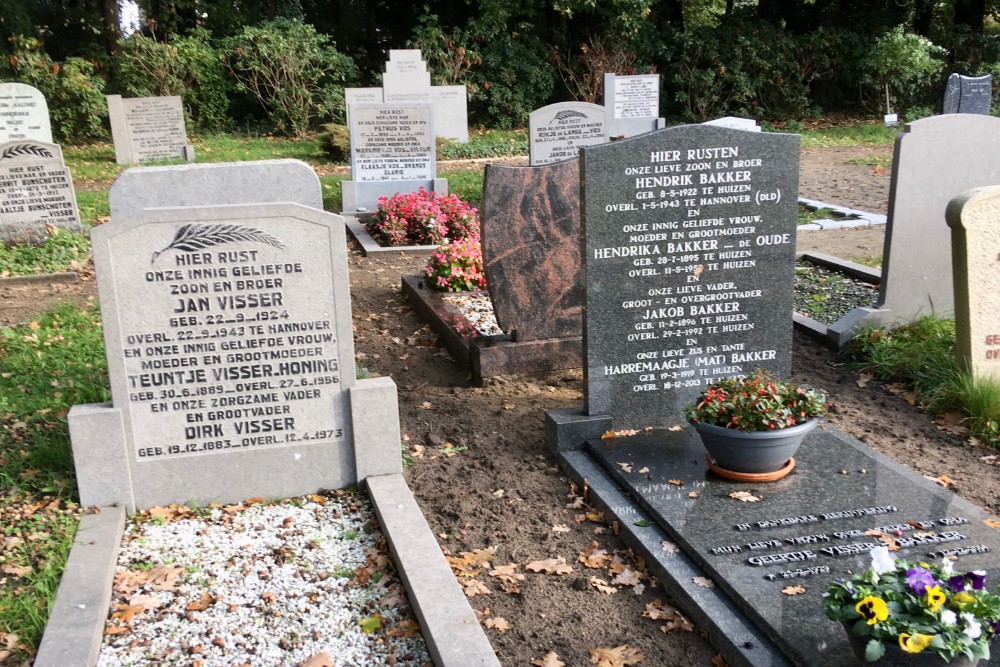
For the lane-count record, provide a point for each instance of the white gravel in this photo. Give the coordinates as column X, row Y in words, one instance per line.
column 478, row 309
column 268, row 584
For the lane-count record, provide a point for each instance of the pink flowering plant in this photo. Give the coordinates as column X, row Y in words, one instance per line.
column 422, row 218
column 457, row 266
column 757, row 402
column 918, row 606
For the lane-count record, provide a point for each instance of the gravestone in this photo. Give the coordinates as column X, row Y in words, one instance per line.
column 451, row 112
column 689, row 253
column 557, row 131
column 392, row 150
column 934, row 160
column 258, row 182
column 406, row 78
column 531, row 249
column 736, row 123
column 231, row 361
column 148, row 128
column 36, row 192
column 974, row 218
column 968, row 94
column 632, row 104
column 24, row 113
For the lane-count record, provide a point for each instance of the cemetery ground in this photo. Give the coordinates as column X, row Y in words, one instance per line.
column 478, row 466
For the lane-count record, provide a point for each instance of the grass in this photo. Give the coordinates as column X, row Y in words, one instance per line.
column 62, row 251
column 884, row 161
column 806, row 215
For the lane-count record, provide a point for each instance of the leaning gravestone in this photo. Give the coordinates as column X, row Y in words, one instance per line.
column 392, row 150
column 212, row 184
column 968, row 94
column 558, row 131
column 148, row 128
column 231, row 360
column 632, row 104
column 24, row 113
column 974, row 218
column 36, row 192
column 935, row 159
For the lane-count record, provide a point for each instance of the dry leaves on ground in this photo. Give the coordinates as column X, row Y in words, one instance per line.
column 745, row 496
column 550, row 659
column 550, row 566
column 793, row 590
column 620, row 656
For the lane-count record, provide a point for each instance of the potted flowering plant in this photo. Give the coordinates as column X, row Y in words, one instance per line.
column 753, row 425
column 896, row 609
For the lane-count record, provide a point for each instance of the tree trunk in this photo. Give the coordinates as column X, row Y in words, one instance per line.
column 111, row 17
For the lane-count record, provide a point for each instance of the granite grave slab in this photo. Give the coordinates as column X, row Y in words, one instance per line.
column 974, row 218
column 968, row 94
column 632, row 104
column 689, row 252
column 24, row 113
column 557, row 131
column 36, row 192
column 215, row 183
column 148, row 128
column 807, row 528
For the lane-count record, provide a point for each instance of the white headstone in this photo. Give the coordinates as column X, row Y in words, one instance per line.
column 557, row 131
column 406, row 78
column 632, row 103
column 451, row 112
column 24, row 113
column 735, row 123
column 148, row 128
column 36, row 191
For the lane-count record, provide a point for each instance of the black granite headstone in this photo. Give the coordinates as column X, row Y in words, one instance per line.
column 689, row 251
column 968, row 94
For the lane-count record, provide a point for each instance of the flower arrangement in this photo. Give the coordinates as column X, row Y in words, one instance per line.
column 757, row 402
column 422, row 218
column 457, row 266
column 919, row 606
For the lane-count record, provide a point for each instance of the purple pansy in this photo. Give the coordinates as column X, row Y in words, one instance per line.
column 919, row 579
column 957, row 583
column 978, row 579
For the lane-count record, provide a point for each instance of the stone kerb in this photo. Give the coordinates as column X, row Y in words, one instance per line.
column 24, row 114
column 974, row 218
column 36, row 191
column 148, row 128
column 232, row 372
column 212, row 184
column 557, row 132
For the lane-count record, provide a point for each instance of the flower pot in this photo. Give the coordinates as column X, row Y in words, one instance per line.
column 753, row 451
column 897, row 657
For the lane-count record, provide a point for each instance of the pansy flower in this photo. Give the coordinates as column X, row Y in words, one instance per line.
column 872, row 609
column 919, row 579
column 935, row 597
column 977, row 578
column 957, row 583
column 914, row 643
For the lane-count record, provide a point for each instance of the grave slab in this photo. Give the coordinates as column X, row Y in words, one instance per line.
column 258, row 182
column 369, row 246
column 36, row 192
column 968, row 94
column 24, row 114
column 807, row 529
column 557, row 131
column 974, row 218
column 148, row 128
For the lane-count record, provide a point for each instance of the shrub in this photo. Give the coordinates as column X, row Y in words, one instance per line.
column 73, row 90
column 335, row 140
column 189, row 67
column 514, row 79
column 292, row 71
column 908, row 63
column 422, row 218
column 457, row 266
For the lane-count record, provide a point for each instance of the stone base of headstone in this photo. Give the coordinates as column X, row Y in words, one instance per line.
column 839, row 333
column 489, row 356
column 369, row 246
column 362, row 197
column 809, row 529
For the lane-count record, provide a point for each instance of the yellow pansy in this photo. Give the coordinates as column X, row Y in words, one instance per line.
column 935, row 597
column 962, row 599
column 872, row 609
column 914, row 643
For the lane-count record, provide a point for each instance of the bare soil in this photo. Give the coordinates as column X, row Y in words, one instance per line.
column 484, row 478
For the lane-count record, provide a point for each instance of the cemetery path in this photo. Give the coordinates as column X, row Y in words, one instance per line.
column 484, row 479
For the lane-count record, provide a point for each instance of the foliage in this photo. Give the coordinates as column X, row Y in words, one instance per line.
column 457, row 266
column 515, row 79
column 583, row 74
column 758, row 402
column 484, row 144
column 62, row 251
column 336, row 142
column 920, row 607
column 422, row 218
column 908, row 63
column 450, row 54
column 73, row 90
column 292, row 71
column 189, row 67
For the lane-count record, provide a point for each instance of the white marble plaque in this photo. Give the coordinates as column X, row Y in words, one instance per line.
column 637, row 96
column 36, row 190
column 147, row 128
column 24, row 113
column 392, row 142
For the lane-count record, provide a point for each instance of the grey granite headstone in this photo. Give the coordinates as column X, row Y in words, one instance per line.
column 148, row 128
column 689, row 253
column 974, row 218
column 392, row 150
column 231, row 361
column 632, row 104
column 556, row 132
column 968, row 94
column 935, row 159
column 24, row 113
column 259, row 182
column 36, row 191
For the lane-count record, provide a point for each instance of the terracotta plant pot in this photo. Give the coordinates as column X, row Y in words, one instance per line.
column 755, row 451
column 897, row 657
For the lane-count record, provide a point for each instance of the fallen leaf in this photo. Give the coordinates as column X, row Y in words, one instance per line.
column 510, row 578
column 593, row 557
column 675, row 482
column 627, row 467
column 15, row 570
column 619, row 434
column 692, row 494
column 718, row 660
column 678, row 622
column 644, row 470
column 944, row 481
column 550, row 566
column 793, row 590
column 370, row 624
column 602, row 585
column 670, row 547
column 426, row 405
column 745, row 496
column 319, row 660
column 864, row 379
column 499, row 624
column 474, row 587
column 498, row 493
column 704, row 582
column 992, row 523
column 550, row 659
column 656, row 611
column 627, row 577
column 204, row 603
column 620, row 656
column 642, row 523
column 596, row 517
column 560, row 528
column 676, row 427
column 698, row 270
